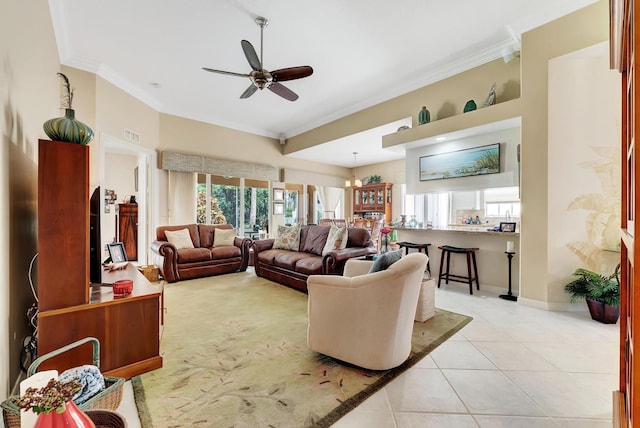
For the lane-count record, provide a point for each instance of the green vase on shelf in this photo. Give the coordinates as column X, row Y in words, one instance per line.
column 68, row 129
column 424, row 116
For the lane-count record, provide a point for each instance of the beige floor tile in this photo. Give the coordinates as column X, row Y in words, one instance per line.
column 513, row 356
column 576, row 357
column 364, row 418
column 434, row 420
column 423, row 390
column 460, row 355
column 486, row 421
column 491, row 392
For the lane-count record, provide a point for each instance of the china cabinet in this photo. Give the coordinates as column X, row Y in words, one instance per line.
column 373, row 201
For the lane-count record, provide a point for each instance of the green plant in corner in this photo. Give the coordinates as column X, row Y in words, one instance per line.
column 594, row 286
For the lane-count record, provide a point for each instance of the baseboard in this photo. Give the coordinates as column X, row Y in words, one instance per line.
column 552, row 306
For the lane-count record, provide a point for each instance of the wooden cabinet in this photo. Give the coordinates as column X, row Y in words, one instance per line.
column 373, row 200
column 69, row 308
column 128, row 229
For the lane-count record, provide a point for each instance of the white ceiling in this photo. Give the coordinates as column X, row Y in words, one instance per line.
column 362, row 53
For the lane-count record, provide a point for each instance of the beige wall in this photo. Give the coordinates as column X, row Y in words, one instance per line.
column 29, row 95
column 578, row 30
column 443, row 99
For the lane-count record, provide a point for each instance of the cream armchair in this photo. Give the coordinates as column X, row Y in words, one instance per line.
column 366, row 319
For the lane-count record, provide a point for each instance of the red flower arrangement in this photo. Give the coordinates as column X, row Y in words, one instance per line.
column 385, row 230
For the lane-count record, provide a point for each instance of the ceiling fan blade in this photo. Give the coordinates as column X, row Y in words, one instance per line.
column 249, row 91
column 283, row 91
column 291, row 73
column 230, row 73
column 251, row 55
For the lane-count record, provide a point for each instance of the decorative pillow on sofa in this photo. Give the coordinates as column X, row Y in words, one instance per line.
column 337, row 239
column 179, row 238
column 385, row 260
column 223, row 237
column 288, row 238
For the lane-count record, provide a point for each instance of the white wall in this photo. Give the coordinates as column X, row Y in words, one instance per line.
column 119, row 177
column 584, row 166
column 508, row 175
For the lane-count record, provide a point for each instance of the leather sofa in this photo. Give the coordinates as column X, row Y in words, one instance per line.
column 292, row 268
column 202, row 260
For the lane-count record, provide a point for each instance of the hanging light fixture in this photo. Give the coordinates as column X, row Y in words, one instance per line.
column 356, row 182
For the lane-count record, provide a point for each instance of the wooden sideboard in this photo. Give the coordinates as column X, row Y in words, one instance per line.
column 70, row 308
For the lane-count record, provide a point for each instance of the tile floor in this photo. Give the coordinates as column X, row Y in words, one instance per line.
column 512, row 366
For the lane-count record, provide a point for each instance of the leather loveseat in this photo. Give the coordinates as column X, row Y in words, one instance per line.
column 292, row 268
column 204, row 259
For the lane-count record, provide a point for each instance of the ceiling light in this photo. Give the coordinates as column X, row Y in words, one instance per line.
column 356, row 182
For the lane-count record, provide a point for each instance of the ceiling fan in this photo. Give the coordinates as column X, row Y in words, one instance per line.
column 262, row 78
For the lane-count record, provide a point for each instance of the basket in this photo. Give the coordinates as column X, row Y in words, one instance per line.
column 106, row 419
column 150, row 272
column 108, row 399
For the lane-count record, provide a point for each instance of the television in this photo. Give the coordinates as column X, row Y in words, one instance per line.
column 95, row 253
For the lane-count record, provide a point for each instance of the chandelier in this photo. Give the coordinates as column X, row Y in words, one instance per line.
column 356, row 182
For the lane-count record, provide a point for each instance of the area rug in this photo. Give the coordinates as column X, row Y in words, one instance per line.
column 235, row 355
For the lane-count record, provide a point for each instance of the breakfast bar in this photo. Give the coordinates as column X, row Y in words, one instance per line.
column 493, row 266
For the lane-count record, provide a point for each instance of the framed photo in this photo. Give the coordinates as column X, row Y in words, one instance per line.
column 278, row 195
column 116, row 252
column 278, row 208
column 461, row 163
column 507, row 226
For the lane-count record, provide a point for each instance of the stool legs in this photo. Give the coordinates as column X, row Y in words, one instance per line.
column 447, row 275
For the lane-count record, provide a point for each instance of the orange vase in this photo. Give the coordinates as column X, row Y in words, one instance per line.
column 72, row 417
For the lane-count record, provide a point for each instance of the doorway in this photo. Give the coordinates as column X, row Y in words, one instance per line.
column 141, row 180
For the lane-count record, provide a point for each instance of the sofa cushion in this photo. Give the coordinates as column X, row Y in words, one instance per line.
column 179, row 238
column 288, row 259
column 358, row 237
column 310, row 265
column 288, row 238
column 336, row 239
column 313, row 238
column 190, row 255
column 224, row 237
column 225, row 252
column 193, row 228
column 385, row 260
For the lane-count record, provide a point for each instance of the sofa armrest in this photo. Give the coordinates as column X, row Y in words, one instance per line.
column 165, row 256
column 334, row 261
column 244, row 244
column 262, row 245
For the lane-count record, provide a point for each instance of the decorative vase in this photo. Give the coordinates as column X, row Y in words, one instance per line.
column 424, row 116
column 403, row 220
column 72, row 417
column 68, row 129
column 413, row 222
column 600, row 312
column 470, row 106
column 385, row 243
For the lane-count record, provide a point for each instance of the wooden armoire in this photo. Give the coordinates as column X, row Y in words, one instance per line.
column 70, row 308
column 623, row 42
column 128, row 229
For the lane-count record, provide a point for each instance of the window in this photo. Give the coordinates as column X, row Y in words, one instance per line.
column 256, row 204
column 428, row 208
column 502, row 202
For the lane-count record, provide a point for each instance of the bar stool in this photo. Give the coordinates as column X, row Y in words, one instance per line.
column 471, row 256
column 406, row 245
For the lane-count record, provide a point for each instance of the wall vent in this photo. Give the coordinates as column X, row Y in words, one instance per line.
column 131, row 136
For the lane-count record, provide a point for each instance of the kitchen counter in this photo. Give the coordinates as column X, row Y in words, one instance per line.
column 462, row 228
column 491, row 255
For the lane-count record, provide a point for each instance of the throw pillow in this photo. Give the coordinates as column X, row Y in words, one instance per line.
column 336, row 240
column 179, row 238
column 223, row 237
column 385, row 260
column 288, row 238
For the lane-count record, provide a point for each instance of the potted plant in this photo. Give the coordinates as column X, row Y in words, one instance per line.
column 602, row 293
column 375, row 179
